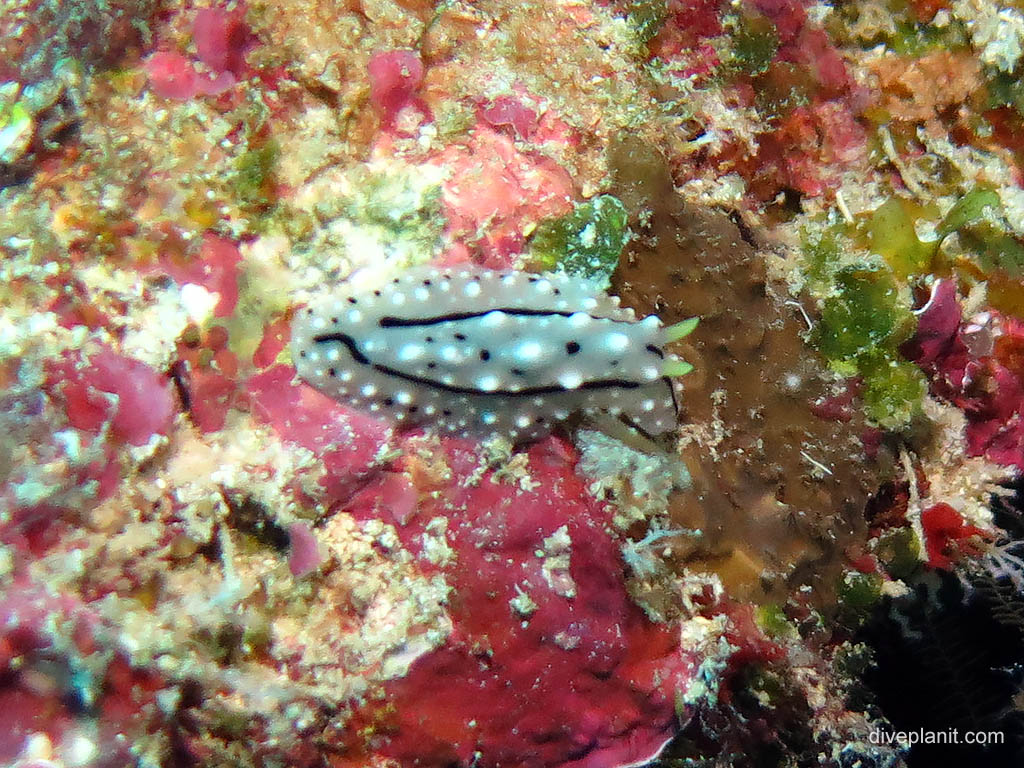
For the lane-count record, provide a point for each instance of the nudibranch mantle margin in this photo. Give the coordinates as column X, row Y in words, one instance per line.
column 475, row 352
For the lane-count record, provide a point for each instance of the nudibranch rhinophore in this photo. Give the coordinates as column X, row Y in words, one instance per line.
column 475, row 351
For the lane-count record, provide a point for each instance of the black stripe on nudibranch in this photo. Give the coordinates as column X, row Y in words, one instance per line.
column 655, row 351
column 362, row 359
column 389, row 321
column 348, row 341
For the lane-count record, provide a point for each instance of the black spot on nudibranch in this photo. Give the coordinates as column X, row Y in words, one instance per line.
column 431, row 365
column 572, row 347
column 485, row 355
column 460, row 336
column 517, row 371
column 351, row 299
column 332, row 372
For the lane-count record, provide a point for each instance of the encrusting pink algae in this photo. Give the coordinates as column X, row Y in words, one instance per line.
column 206, row 561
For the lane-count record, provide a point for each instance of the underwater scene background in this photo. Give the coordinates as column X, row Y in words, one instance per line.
column 805, row 550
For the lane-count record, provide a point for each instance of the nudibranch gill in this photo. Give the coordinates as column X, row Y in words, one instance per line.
column 474, row 351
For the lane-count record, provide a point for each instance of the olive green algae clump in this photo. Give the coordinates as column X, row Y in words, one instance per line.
column 586, row 242
column 865, row 317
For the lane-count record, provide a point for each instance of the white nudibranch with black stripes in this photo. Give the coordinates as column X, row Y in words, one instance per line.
column 476, row 352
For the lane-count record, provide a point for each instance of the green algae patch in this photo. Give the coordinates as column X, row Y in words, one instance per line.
column 858, row 594
column 823, row 249
column 862, row 324
column 893, row 388
column 996, row 250
column 1006, row 89
column 899, row 551
column 585, row 242
column 865, row 312
column 893, row 236
column 255, row 182
column 897, row 25
column 646, row 18
column 969, row 209
column 752, row 45
column 978, row 218
column 773, row 621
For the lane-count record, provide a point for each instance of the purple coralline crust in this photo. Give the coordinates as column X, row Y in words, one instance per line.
column 978, row 365
column 549, row 661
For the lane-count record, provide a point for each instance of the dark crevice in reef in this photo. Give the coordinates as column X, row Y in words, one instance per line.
column 778, row 491
column 943, row 662
column 952, row 657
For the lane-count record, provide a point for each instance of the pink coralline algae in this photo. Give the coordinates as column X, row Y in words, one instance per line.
column 214, row 267
column 107, row 389
column 205, row 374
column 549, row 662
column 305, row 553
column 497, row 189
column 90, row 408
column 395, row 77
column 979, row 367
column 344, row 441
column 36, row 698
column 173, row 76
column 221, row 39
column 510, row 111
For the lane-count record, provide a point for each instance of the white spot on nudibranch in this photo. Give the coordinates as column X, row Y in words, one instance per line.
column 488, row 383
column 616, row 341
column 579, row 320
column 408, row 352
column 528, row 351
column 493, row 319
column 571, row 379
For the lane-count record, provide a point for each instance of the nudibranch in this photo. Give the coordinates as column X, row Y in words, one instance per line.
column 475, row 351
